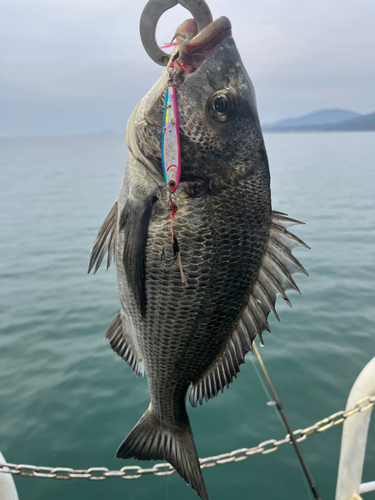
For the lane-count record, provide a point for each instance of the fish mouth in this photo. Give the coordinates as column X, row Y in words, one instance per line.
column 194, row 48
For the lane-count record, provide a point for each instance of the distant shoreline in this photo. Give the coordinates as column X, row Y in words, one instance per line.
column 328, row 120
column 300, row 130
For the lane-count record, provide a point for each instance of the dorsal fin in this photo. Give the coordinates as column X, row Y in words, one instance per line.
column 274, row 278
column 105, row 241
column 120, row 338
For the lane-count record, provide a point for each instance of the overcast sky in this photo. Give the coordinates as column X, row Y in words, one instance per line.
column 78, row 66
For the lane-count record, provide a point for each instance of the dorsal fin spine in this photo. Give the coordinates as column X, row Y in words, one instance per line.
column 266, row 298
column 244, row 336
column 284, row 251
column 264, row 272
column 281, row 269
column 259, row 311
column 104, row 241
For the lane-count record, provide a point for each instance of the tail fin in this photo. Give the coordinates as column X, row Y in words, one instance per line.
column 149, row 441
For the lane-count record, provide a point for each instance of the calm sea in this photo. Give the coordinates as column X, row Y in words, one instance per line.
column 67, row 400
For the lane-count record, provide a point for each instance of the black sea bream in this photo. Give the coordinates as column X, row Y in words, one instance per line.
column 235, row 251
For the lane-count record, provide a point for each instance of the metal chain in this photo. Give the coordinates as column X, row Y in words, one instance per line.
column 165, row 469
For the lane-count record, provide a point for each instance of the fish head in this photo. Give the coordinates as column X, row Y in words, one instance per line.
column 220, row 134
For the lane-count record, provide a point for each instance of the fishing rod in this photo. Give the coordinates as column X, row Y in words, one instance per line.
column 280, row 407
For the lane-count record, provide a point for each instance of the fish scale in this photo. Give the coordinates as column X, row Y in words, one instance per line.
column 217, row 265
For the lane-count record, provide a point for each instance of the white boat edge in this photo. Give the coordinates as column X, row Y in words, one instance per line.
column 8, row 489
column 354, row 439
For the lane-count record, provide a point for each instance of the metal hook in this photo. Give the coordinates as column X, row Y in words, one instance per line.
column 167, row 262
column 151, row 15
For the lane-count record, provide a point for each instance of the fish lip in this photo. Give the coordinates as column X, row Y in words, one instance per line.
column 193, row 52
column 206, row 40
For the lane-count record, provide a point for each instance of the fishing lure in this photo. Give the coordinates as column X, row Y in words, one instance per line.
column 171, row 160
column 170, row 142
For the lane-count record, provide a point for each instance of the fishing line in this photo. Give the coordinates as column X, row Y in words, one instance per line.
column 280, row 407
column 268, row 394
column 272, row 403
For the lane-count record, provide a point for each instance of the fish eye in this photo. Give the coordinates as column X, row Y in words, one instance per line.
column 221, row 105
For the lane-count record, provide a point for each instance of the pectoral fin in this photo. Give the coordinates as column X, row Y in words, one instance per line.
column 134, row 221
column 105, row 241
column 274, row 278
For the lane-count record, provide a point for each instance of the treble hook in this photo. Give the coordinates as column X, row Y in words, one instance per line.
column 151, row 15
column 169, row 262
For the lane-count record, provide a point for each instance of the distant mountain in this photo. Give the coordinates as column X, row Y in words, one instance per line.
column 324, row 117
column 364, row 122
column 324, row 121
column 328, row 120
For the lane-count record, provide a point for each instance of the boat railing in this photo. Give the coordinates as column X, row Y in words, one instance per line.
column 354, row 440
column 356, row 419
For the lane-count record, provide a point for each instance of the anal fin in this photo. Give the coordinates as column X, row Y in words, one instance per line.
column 105, row 241
column 120, row 339
column 225, row 367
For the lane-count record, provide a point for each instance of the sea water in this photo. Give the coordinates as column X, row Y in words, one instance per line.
column 67, row 400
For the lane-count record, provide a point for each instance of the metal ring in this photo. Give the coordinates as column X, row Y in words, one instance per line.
column 151, row 15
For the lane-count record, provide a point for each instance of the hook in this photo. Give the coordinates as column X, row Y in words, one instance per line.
column 155, row 9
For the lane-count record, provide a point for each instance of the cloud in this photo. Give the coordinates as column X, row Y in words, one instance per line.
column 79, row 58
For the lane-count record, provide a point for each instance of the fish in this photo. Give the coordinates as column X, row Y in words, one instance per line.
column 236, row 252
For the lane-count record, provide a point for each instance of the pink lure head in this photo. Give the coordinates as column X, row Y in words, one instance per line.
column 172, row 182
